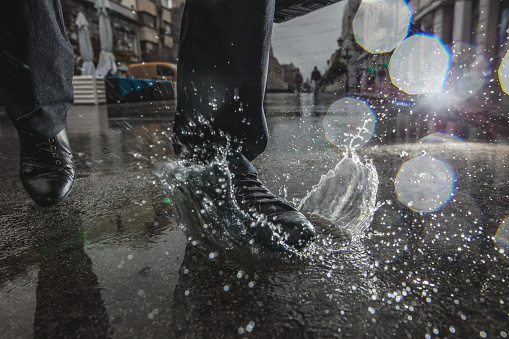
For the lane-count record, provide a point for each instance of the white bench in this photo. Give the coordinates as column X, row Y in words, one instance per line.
column 89, row 90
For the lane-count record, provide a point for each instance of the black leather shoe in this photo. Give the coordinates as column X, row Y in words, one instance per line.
column 255, row 199
column 47, row 169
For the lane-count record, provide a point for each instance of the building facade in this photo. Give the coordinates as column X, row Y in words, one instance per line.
column 177, row 12
column 125, row 27
column 143, row 30
column 155, row 24
column 484, row 23
column 481, row 22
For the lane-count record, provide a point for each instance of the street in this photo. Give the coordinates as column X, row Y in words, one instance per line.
column 113, row 260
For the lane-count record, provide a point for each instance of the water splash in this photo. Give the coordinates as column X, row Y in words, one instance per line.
column 346, row 195
column 202, row 199
column 389, row 237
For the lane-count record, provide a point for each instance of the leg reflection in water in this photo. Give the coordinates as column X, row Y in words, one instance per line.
column 68, row 298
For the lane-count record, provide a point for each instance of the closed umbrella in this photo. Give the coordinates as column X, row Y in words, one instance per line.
column 106, row 64
column 87, row 53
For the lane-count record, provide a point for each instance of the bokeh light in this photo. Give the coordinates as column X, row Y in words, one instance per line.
column 420, row 64
column 424, row 184
column 438, row 137
column 380, row 25
column 469, row 69
column 503, row 74
column 349, row 123
column 502, row 237
column 448, row 148
column 389, row 236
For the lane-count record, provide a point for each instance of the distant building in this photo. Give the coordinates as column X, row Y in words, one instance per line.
column 125, row 29
column 481, row 22
column 288, row 72
column 484, row 23
column 177, row 12
column 348, row 51
column 143, row 30
column 275, row 76
column 155, row 24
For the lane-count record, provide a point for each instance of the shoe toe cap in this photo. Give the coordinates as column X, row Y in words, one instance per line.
column 50, row 189
column 297, row 231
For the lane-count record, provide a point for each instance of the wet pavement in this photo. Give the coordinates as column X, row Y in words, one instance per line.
column 113, row 261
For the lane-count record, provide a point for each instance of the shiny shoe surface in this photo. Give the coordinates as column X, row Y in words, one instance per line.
column 47, row 169
column 254, row 198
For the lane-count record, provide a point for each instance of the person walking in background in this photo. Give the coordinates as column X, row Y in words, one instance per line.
column 315, row 77
column 358, row 78
column 371, row 78
column 298, row 80
column 36, row 70
column 382, row 77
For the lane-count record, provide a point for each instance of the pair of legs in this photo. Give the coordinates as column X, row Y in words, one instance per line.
column 36, row 69
column 222, row 72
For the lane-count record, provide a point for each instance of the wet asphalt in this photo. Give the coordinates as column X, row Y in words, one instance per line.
column 112, row 261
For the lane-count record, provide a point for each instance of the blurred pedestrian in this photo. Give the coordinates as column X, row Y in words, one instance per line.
column 382, row 77
column 298, row 80
column 371, row 78
column 315, row 77
column 358, row 78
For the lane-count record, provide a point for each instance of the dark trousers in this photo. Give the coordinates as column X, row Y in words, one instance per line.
column 36, row 66
column 222, row 72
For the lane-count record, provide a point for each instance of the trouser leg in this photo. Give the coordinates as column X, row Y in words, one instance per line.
column 36, row 66
column 222, row 72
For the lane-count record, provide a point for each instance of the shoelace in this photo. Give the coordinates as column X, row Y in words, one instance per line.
column 252, row 191
column 47, row 157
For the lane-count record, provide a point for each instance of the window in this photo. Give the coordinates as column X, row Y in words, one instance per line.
column 164, row 71
column 148, row 47
column 146, row 19
column 167, row 3
column 167, row 28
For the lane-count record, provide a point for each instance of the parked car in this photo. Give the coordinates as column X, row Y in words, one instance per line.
column 153, row 71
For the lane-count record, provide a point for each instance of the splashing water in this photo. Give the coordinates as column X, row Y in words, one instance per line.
column 203, row 200
column 346, row 195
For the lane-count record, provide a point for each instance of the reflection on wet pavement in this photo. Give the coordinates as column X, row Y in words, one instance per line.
column 111, row 261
